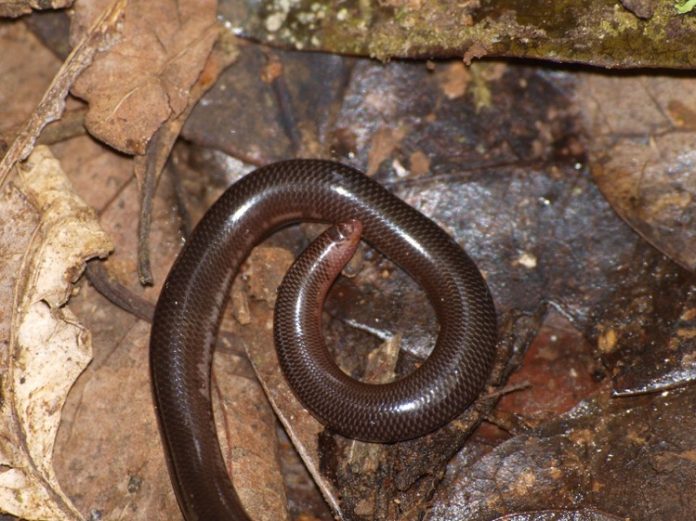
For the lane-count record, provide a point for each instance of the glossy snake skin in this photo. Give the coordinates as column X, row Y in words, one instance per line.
column 194, row 294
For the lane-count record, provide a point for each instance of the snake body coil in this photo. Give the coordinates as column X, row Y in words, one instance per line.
column 194, row 294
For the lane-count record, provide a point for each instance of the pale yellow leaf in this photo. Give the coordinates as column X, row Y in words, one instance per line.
column 47, row 347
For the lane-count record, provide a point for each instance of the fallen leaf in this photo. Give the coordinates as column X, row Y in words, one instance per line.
column 551, row 388
column 588, row 514
column 15, row 8
column 628, row 458
column 19, row 93
column 644, row 160
column 47, row 347
column 146, row 78
column 52, row 104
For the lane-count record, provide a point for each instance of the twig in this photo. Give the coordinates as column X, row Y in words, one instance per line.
column 118, row 294
column 149, row 173
column 149, row 167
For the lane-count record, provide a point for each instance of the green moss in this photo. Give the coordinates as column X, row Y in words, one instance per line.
column 600, row 32
column 685, row 7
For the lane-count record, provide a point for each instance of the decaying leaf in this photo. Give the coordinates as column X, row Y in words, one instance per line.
column 14, row 8
column 47, row 348
column 51, row 106
column 19, row 94
column 629, row 458
column 146, row 79
column 585, row 514
column 644, row 159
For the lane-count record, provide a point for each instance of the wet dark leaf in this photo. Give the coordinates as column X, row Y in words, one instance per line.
column 562, row 515
column 262, row 109
column 644, row 160
column 628, row 457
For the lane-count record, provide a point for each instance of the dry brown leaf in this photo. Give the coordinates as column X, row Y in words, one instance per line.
column 146, row 79
column 14, row 8
column 51, row 106
column 265, row 269
column 249, row 440
column 246, row 428
column 26, row 69
column 47, row 347
column 108, row 455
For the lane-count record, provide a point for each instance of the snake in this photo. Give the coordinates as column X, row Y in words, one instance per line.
column 195, row 292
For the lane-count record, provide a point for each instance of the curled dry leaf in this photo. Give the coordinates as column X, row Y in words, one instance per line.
column 47, row 348
column 164, row 48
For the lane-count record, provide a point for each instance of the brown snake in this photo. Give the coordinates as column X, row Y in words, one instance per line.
column 194, row 294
